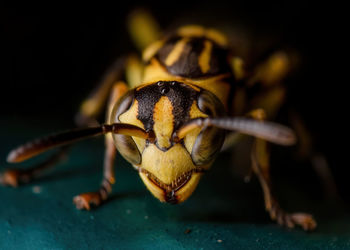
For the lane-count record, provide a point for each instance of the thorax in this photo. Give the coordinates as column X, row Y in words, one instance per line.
column 191, row 55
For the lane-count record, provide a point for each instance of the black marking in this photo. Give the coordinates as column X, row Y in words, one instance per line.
column 187, row 64
column 180, row 95
column 219, row 61
column 165, row 50
column 170, row 197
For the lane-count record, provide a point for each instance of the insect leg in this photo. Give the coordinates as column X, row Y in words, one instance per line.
column 260, row 165
column 13, row 177
column 308, row 150
column 143, row 29
column 134, row 71
column 263, row 86
column 90, row 108
column 38, row 146
column 83, row 201
column 274, row 69
column 94, row 103
column 270, row 100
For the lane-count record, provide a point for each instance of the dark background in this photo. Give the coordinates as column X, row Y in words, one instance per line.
column 51, row 56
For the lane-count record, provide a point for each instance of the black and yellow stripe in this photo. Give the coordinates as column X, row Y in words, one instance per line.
column 187, row 75
column 193, row 57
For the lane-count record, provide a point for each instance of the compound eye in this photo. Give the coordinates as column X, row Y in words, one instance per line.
column 124, row 143
column 122, row 106
column 210, row 104
column 209, row 141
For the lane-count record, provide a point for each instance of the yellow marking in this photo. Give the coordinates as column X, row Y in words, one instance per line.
column 130, row 117
column 195, row 112
column 188, row 189
column 205, row 56
column 153, row 188
column 156, row 72
column 175, row 54
column 151, row 50
column 168, row 165
column 163, row 121
column 191, row 136
column 191, row 31
column 216, row 36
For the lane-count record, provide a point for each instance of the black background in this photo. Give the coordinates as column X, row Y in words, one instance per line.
column 51, row 56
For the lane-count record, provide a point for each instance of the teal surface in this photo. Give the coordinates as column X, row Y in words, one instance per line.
column 223, row 213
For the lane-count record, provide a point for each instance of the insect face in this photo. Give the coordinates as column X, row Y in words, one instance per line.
column 170, row 168
column 171, row 126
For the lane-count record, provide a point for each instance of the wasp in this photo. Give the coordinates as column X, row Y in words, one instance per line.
column 172, row 112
